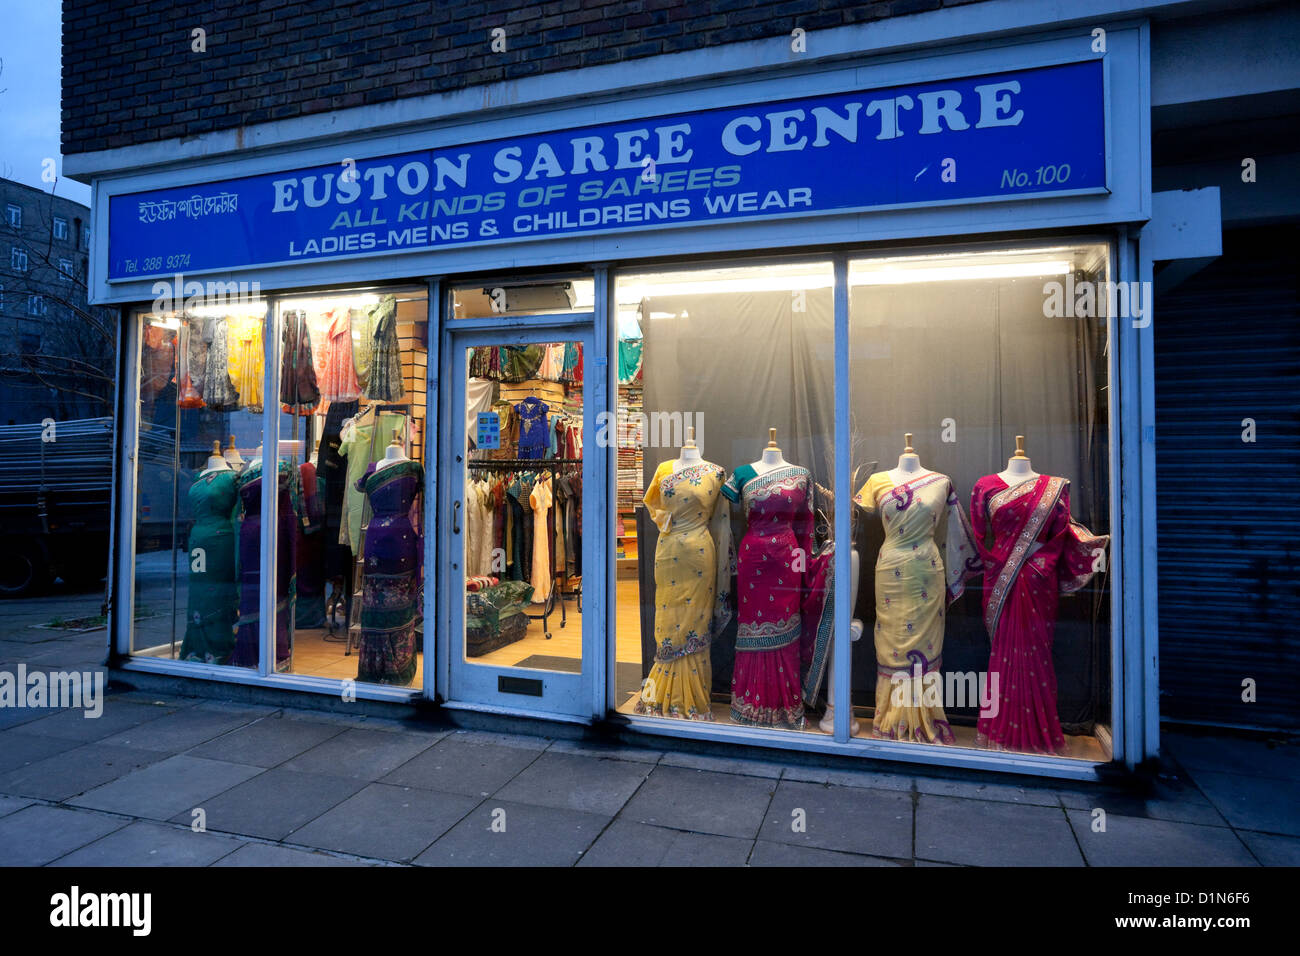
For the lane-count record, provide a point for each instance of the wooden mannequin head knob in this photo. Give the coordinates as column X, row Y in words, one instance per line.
column 907, row 442
column 216, row 448
column 1020, row 447
column 771, row 438
column 690, row 435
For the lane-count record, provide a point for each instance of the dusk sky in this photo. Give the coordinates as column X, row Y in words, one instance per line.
column 29, row 95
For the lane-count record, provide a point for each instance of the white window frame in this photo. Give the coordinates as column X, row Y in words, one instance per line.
column 66, row 268
column 14, row 215
column 60, row 228
column 36, row 305
column 18, row 259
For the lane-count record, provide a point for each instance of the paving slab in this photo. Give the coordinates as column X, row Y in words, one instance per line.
column 270, row 854
column 363, row 754
column 1270, row 849
column 852, row 819
column 386, row 822
column 769, row 853
column 10, row 805
column 471, row 766
column 1252, row 803
column 568, row 781
column 850, row 778
column 267, row 742
column 732, row 765
column 275, row 803
column 162, row 790
column 117, row 716
column 1181, row 803
column 179, row 731
column 151, row 844
column 38, row 834
column 1229, row 754
column 1132, row 841
column 74, row 771
column 532, row 836
column 19, row 747
column 701, row 801
column 987, row 833
column 628, row 844
column 984, row 790
column 613, row 751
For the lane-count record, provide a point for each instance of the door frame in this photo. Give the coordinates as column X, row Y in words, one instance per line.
column 584, row 701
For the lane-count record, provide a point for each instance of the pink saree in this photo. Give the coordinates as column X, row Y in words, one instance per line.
column 1037, row 553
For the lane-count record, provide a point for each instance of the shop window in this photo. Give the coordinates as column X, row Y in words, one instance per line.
column 726, row 497
column 983, row 596
column 197, row 542
column 481, row 301
column 352, row 395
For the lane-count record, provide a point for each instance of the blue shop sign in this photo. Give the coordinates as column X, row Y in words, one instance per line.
column 1015, row 135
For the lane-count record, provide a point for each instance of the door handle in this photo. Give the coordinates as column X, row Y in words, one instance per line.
column 455, row 518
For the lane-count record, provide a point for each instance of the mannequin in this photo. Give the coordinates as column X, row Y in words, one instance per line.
column 392, row 454
column 690, row 454
column 215, row 461
column 771, row 458
column 909, row 463
column 231, row 454
column 1019, row 470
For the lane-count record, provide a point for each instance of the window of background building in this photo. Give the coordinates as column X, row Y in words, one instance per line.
column 60, row 228
column 65, row 270
column 984, row 599
column 14, row 215
column 724, row 560
column 36, row 305
column 18, row 259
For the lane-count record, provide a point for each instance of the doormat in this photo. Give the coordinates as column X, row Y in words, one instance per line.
column 627, row 674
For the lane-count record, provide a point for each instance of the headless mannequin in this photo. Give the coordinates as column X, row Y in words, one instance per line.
column 392, row 454
column 909, row 464
column 216, row 462
column 771, row 458
column 231, row 454
column 1019, row 470
column 690, row 454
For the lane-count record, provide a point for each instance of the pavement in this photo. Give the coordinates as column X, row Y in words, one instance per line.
column 168, row 781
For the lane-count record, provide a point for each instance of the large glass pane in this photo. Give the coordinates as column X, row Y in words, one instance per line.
column 982, row 591
column 726, row 494
column 350, row 535
column 523, row 506
column 196, row 534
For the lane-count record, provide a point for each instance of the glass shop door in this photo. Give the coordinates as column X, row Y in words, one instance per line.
column 521, row 636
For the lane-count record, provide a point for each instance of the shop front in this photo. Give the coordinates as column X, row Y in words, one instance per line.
column 808, row 411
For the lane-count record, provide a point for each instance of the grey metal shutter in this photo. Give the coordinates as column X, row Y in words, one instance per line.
column 1228, row 512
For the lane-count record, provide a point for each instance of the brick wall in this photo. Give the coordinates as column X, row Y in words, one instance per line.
column 129, row 75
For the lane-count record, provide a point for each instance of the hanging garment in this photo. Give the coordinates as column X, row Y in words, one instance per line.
column 390, row 599
column 915, row 582
column 540, row 500
column 219, row 391
column 520, row 363
column 474, row 530
column 157, row 360
column 1038, row 552
column 246, row 361
column 362, row 325
column 362, row 447
column 693, row 562
column 533, row 435
column 478, row 398
column 336, row 374
column 332, row 473
column 191, row 359
column 385, row 380
column 247, row 638
column 766, row 688
column 571, row 364
column 509, row 422
column 487, row 524
column 629, row 360
column 299, row 394
column 212, row 601
column 310, row 611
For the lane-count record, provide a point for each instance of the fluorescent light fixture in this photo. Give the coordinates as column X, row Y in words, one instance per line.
column 641, row 287
column 166, row 322
column 893, row 275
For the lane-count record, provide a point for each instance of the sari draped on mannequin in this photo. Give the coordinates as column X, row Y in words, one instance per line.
column 915, row 582
column 693, row 563
column 1037, row 553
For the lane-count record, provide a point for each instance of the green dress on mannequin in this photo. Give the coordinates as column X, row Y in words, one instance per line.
column 213, row 602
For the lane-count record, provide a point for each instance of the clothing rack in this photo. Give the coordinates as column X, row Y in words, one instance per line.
column 554, row 466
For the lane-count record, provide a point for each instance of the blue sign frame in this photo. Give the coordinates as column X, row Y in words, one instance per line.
column 1014, row 135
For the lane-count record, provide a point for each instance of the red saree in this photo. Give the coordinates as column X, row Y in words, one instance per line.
column 1037, row 553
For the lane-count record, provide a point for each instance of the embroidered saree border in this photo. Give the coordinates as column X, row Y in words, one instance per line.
column 1028, row 535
